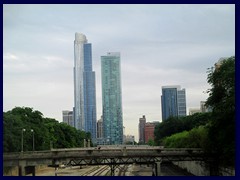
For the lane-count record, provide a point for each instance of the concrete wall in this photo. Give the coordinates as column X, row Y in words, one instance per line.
column 194, row 167
column 13, row 171
column 10, row 171
column 198, row 168
column 227, row 171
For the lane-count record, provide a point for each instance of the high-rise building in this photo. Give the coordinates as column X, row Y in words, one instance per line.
column 204, row 107
column 100, row 128
column 173, row 102
column 68, row 117
column 84, row 86
column 141, row 125
column 129, row 139
column 181, row 99
column 112, row 98
column 194, row 111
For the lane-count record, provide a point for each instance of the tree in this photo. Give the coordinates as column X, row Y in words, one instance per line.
column 222, row 100
column 195, row 138
column 150, row 142
column 47, row 132
column 178, row 124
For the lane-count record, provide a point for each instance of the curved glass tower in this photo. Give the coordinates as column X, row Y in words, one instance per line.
column 84, row 86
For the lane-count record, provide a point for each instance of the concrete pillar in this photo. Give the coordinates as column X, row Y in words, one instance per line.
column 84, row 142
column 21, row 171
column 89, row 140
column 158, row 168
column 21, row 168
column 56, row 171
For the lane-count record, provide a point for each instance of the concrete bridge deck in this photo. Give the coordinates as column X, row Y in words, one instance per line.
column 103, row 155
column 98, row 154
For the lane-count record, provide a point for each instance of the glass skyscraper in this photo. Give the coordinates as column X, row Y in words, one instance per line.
column 84, row 86
column 112, row 98
column 173, row 102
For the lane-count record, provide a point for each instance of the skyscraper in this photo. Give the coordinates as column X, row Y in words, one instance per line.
column 141, row 130
column 100, row 128
column 68, row 117
column 173, row 101
column 112, row 98
column 84, row 86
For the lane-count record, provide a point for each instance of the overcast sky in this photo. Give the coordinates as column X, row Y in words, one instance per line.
column 159, row 44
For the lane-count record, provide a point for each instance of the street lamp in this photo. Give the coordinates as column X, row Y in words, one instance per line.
column 23, row 130
column 33, row 138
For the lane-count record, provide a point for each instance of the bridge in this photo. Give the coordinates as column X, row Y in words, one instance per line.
column 112, row 156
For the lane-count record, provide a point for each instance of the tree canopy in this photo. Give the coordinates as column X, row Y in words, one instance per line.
column 178, row 124
column 222, row 100
column 47, row 132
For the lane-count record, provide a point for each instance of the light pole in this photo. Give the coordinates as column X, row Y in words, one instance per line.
column 33, row 138
column 23, row 130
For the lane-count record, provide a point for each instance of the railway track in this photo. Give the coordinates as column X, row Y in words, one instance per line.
column 102, row 171
column 122, row 170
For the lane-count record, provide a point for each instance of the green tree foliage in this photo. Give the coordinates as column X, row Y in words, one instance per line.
column 195, row 138
column 178, row 124
column 47, row 132
column 222, row 100
column 150, row 142
column 177, row 140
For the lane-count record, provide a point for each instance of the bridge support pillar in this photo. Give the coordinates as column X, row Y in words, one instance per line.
column 21, row 171
column 157, row 168
column 88, row 143
column 21, row 168
column 84, row 142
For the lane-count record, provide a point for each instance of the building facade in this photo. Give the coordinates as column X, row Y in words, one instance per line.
column 84, row 86
column 141, row 131
column 194, row 111
column 204, row 107
column 129, row 139
column 173, row 101
column 100, row 128
column 112, row 98
column 181, row 99
column 68, row 117
column 149, row 131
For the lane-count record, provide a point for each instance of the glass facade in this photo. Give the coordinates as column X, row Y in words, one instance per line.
column 84, row 86
column 112, row 98
column 68, row 117
column 173, row 102
column 181, row 97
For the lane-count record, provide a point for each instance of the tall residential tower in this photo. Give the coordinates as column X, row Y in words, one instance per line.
column 84, row 86
column 112, row 98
